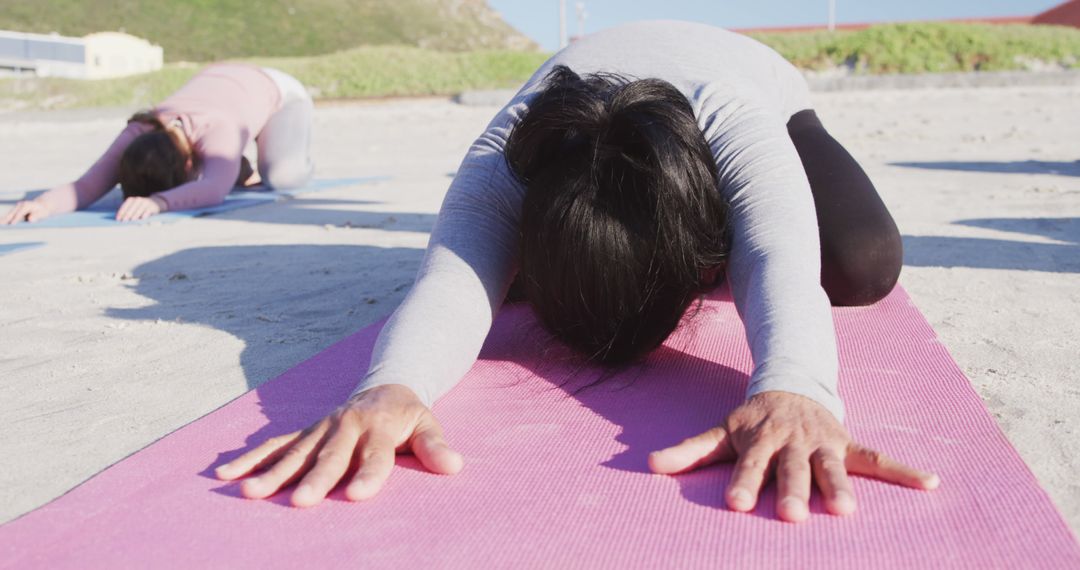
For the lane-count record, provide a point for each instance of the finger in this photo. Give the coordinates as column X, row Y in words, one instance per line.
column 292, row 464
column 376, row 462
column 793, row 484
column 703, row 449
column 429, row 446
column 17, row 214
column 872, row 463
column 266, row 452
column 9, row 217
column 749, row 476
column 128, row 209
column 137, row 213
column 832, row 479
column 331, row 463
column 33, row 213
column 142, row 212
column 129, row 214
column 125, row 208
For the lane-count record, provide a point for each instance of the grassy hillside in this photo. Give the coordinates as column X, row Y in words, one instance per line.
column 371, row 71
column 931, row 47
column 205, row 30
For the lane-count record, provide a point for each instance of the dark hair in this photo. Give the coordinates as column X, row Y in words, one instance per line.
column 622, row 217
column 154, row 161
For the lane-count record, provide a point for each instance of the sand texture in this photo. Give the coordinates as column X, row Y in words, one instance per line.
column 112, row 337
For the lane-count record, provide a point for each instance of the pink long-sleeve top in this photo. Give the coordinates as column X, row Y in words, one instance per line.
column 220, row 109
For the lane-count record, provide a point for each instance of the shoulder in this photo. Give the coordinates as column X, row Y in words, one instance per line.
column 723, row 108
column 214, row 133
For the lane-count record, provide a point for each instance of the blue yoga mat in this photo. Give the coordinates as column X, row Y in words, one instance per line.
column 103, row 212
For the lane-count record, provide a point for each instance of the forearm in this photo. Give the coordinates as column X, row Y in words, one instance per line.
column 775, row 275
column 194, row 195
column 97, row 180
column 434, row 337
column 790, row 332
column 60, row 199
column 219, row 175
column 775, row 265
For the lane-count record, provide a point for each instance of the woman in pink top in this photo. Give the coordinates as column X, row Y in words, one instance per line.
column 187, row 152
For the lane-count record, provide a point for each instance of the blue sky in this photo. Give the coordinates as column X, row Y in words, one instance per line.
column 539, row 19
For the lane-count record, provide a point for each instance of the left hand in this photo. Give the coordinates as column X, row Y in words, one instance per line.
column 798, row 439
column 138, row 208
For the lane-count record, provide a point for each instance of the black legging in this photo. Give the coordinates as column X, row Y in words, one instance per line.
column 861, row 250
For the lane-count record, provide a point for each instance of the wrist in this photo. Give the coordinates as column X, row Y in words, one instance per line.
column 162, row 205
column 394, row 392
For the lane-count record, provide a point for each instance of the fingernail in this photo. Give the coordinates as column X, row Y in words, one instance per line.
column 355, row 491
column 250, row 487
column 843, row 503
column 794, row 508
column 931, row 482
column 741, row 498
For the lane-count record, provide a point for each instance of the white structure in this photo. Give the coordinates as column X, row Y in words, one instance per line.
column 95, row 56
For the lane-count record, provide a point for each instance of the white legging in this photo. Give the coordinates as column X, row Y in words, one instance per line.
column 284, row 143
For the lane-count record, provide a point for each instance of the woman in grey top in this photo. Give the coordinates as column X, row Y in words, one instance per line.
column 634, row 169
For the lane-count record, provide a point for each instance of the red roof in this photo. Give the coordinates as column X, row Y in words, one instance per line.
column 1067, row 14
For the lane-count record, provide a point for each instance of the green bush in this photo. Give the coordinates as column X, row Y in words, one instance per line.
column 209, row 30
column 930, row 47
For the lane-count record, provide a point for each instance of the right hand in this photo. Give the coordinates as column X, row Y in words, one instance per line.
column 26, row 210
column 367, row 430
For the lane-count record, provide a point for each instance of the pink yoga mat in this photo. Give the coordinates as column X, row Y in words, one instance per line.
column 559, row 480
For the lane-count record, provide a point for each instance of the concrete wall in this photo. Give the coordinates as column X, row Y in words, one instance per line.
column 41, row 54
column 96, row 56
column 112, row 54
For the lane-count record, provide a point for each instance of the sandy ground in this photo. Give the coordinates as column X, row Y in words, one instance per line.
column 110, row 338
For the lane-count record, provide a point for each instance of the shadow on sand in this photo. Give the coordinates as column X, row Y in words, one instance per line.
column 285, row 302
column 983, row 253
column 1012, row 167
column 313, row 211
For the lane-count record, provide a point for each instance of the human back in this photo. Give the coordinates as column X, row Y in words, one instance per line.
column 241, row 94
column 706, row 54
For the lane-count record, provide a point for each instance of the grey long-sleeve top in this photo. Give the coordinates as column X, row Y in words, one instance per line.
column 743, row 94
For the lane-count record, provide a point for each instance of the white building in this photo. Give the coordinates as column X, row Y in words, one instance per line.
column 95, row 56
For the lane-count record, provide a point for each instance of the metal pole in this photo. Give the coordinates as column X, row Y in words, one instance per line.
column 582, row 15
column 832, row 15
column 562, row 24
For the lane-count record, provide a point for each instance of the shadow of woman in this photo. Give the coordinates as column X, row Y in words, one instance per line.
column 285, row 302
